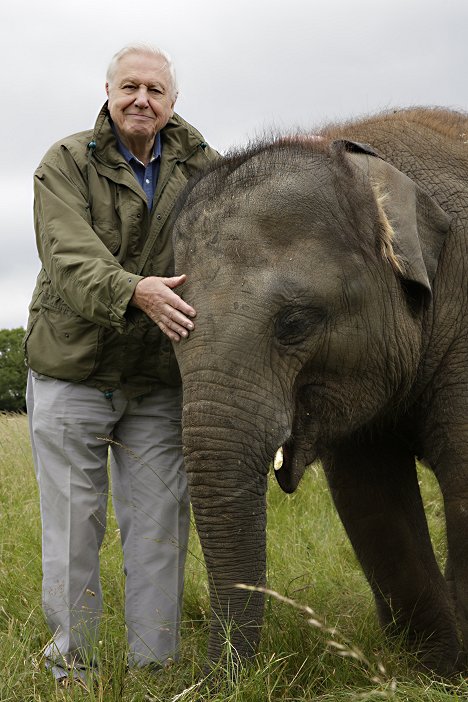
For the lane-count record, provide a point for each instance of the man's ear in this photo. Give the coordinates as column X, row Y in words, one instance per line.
column 107, row 88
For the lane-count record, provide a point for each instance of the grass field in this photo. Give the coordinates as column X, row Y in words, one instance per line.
column 334, row 653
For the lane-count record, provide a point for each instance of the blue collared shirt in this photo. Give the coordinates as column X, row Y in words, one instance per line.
column 147, row 176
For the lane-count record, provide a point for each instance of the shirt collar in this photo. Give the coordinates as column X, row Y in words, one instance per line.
column 128, row 156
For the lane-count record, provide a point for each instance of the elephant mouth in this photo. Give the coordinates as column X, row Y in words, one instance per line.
column 287, row 470
column 291, row 460
column 282, row 465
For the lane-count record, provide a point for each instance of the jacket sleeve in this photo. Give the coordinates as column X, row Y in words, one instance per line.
column 82, row 270
column 211, row 154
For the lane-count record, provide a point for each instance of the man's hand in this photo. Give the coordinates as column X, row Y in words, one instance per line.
column 156, row 298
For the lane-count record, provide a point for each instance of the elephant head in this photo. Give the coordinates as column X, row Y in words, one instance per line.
column 310, row 267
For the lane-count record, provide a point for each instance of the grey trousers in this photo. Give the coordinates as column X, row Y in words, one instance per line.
column 69, row 425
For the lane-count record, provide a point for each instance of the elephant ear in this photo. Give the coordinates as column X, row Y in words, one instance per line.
column 414, row 223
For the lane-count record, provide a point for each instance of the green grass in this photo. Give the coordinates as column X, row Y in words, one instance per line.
column 324, row 646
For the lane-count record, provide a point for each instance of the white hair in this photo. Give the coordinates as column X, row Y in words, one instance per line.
column 149, row 51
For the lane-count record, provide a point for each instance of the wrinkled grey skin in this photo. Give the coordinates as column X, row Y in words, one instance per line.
column 321, row 331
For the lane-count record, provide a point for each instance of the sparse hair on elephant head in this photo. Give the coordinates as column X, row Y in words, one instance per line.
column 387, row 236
column 413, row 227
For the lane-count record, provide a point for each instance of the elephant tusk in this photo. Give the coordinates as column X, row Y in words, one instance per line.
column 278, row 462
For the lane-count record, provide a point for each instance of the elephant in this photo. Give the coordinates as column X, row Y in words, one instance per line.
column 329, row 275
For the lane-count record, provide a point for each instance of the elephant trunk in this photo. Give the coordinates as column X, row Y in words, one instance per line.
column 233, row 542
column 227, row 465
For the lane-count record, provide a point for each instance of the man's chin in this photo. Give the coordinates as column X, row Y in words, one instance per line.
column 145, row 130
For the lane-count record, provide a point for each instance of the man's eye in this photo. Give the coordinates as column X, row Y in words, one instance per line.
column 155, row 90
column 128, row 86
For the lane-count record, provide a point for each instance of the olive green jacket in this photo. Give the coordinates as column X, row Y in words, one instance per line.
column 96, row 240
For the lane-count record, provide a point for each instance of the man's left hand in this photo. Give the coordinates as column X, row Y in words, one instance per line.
column 156, row 298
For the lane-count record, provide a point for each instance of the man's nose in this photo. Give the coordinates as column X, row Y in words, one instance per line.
column 141, row 99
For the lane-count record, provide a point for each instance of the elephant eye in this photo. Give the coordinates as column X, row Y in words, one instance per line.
column 294, row 324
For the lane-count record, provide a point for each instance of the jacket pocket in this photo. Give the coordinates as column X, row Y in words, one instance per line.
column 63, row 346
column 109, row 234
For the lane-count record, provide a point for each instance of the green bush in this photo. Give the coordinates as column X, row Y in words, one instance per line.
column 13, row 371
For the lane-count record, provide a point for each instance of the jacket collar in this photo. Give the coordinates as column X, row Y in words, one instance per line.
column 179, row 139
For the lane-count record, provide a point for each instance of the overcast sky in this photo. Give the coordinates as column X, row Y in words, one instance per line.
column 244, row 67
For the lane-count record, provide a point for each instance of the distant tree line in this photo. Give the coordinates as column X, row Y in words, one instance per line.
column 13, row 370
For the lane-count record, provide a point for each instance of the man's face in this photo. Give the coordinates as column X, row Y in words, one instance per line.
column 140, row 96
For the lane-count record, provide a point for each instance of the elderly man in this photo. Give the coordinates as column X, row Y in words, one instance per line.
column 103, row 315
